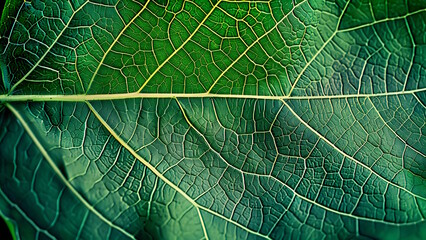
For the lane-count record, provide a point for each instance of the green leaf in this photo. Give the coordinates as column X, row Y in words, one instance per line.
column 213, row 119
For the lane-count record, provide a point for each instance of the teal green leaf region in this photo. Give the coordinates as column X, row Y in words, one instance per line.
column 207, row 119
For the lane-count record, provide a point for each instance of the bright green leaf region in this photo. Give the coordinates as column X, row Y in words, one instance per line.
column 231, row 119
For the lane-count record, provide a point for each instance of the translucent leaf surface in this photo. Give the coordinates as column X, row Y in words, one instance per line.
column 213, row 119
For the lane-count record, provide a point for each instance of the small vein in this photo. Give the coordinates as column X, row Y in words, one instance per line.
column 179, row 48
column 47, row 51
column 393, row 131
column 22, row 212
column 113, row 44
column 348, row 156
column 381, row 21
column 202, row 224
column 319, row 50
column 313, row 202
column 161, row 176
column 59, row 173
column 249, row 47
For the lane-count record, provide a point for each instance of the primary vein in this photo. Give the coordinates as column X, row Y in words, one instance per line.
column 122, row 96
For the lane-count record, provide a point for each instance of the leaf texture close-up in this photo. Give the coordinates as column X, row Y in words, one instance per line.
column 213, row 119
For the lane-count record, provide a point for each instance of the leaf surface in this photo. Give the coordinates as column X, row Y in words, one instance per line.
column 213, row 119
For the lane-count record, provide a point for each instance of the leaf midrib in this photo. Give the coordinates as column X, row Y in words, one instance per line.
column 121, row 96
